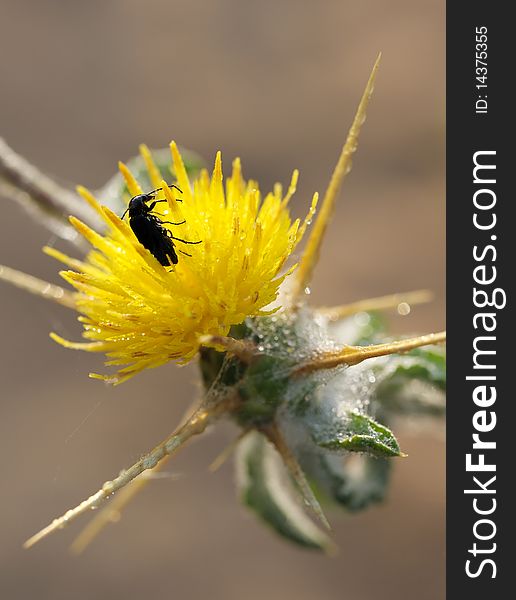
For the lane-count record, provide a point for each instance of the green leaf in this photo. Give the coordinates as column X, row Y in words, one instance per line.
column 356, row 481
column 360, row 433
column 414, row 384
column 425, row 364
column 262, row 389
column 265, row 487
column 372, row 330
column 360, row 329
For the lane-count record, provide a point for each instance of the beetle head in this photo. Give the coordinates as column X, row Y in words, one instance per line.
column 137, row 205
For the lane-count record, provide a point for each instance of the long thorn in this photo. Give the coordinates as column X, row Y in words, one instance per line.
column 38, row 192
column 36, row 286
column 195, row 425
column 382, row 303
column 276, row 437
column 352, row 355
column 311, row 254
column 112, row 511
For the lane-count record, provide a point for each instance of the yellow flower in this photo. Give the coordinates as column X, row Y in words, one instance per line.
column 142, row 314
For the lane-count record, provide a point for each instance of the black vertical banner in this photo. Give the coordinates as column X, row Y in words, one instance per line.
column 481, row 432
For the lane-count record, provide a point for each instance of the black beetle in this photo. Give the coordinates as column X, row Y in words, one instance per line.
column 149, row 230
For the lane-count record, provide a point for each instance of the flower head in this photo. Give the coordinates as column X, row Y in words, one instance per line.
column 142, row 314
column 291, row 379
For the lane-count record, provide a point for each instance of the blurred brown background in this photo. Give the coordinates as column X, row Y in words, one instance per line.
column 83, row 83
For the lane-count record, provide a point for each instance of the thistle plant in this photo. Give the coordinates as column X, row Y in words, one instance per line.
column 313, row 390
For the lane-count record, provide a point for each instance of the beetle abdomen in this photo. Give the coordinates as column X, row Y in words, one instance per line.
column 154, row 237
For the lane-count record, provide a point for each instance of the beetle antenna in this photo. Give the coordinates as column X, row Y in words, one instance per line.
column 170, row 185
column 125, row 212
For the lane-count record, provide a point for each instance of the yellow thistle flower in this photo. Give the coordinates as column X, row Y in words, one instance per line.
column 141, row 314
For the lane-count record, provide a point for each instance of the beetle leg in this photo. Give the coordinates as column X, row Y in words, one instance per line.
column 153, row 204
